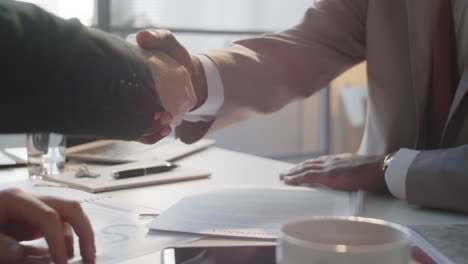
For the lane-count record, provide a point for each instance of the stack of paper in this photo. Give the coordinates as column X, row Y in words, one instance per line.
column 253, row 212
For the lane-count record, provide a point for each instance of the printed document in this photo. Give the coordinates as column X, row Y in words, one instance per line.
column 251, row 212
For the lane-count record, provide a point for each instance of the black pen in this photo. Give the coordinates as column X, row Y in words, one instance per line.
column 143, row 171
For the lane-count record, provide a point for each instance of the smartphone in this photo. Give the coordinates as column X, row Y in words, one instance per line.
column 219, row 255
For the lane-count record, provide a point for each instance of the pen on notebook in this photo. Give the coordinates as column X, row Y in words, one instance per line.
column 143, row 171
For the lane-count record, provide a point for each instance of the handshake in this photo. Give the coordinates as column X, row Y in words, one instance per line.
column 179, row 80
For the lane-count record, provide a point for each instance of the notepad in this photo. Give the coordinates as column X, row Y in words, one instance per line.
column 251, row 212
column 106, row 182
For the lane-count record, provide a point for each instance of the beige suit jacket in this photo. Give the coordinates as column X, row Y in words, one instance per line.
column 261, row 75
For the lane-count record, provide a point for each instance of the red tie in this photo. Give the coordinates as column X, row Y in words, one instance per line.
column 444, row 69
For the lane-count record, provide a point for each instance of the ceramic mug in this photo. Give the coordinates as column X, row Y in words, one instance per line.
column 337, row 240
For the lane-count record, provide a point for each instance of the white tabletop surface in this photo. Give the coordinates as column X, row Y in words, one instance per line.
column 234, row 168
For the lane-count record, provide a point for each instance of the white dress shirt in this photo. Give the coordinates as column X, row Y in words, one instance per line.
column 396, row 173
column 215, row 93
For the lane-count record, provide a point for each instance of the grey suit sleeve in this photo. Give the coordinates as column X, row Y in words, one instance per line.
column 439, row 179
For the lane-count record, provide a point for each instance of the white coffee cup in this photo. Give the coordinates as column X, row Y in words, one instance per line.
column 337, row 240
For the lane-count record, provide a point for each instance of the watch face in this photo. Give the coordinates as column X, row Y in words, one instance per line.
column 388, row 159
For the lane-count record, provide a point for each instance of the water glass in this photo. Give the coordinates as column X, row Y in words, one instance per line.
column 46, row 154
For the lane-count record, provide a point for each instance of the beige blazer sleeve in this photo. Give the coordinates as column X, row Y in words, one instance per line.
column 262, row 75
column 438, row 178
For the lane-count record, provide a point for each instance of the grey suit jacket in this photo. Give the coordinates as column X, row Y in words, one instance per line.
column 261, row 75
column 57, row 75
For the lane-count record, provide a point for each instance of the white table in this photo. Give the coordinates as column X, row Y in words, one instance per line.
column 234, row 168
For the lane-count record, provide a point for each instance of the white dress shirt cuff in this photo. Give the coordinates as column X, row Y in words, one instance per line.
column 395, row 176
column 215, row 93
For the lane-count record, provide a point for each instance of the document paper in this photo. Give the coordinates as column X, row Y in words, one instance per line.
column 253, row 212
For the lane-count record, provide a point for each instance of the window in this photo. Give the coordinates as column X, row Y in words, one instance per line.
column 200, row 24
column 205, row 24
column 245, row 15
column 83, row 9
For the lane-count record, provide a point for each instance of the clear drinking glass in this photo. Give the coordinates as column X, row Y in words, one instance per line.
column 46, row 154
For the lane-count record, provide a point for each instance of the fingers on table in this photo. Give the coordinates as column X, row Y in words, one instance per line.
column 13, row 252
column 305, row 168
column 71, row 212
column 313, row 171
column 10, row 250
column 322, row 176
column 68, row 232
column 31, row 210
column 317, row 177
column 302, row 168
column 48, row 214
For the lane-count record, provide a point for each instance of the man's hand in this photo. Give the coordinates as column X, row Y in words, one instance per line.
column 159, row 129
column 25, row 217
column 343, row 172
column 172, row 83
column 172, row 71
column 163, row 40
